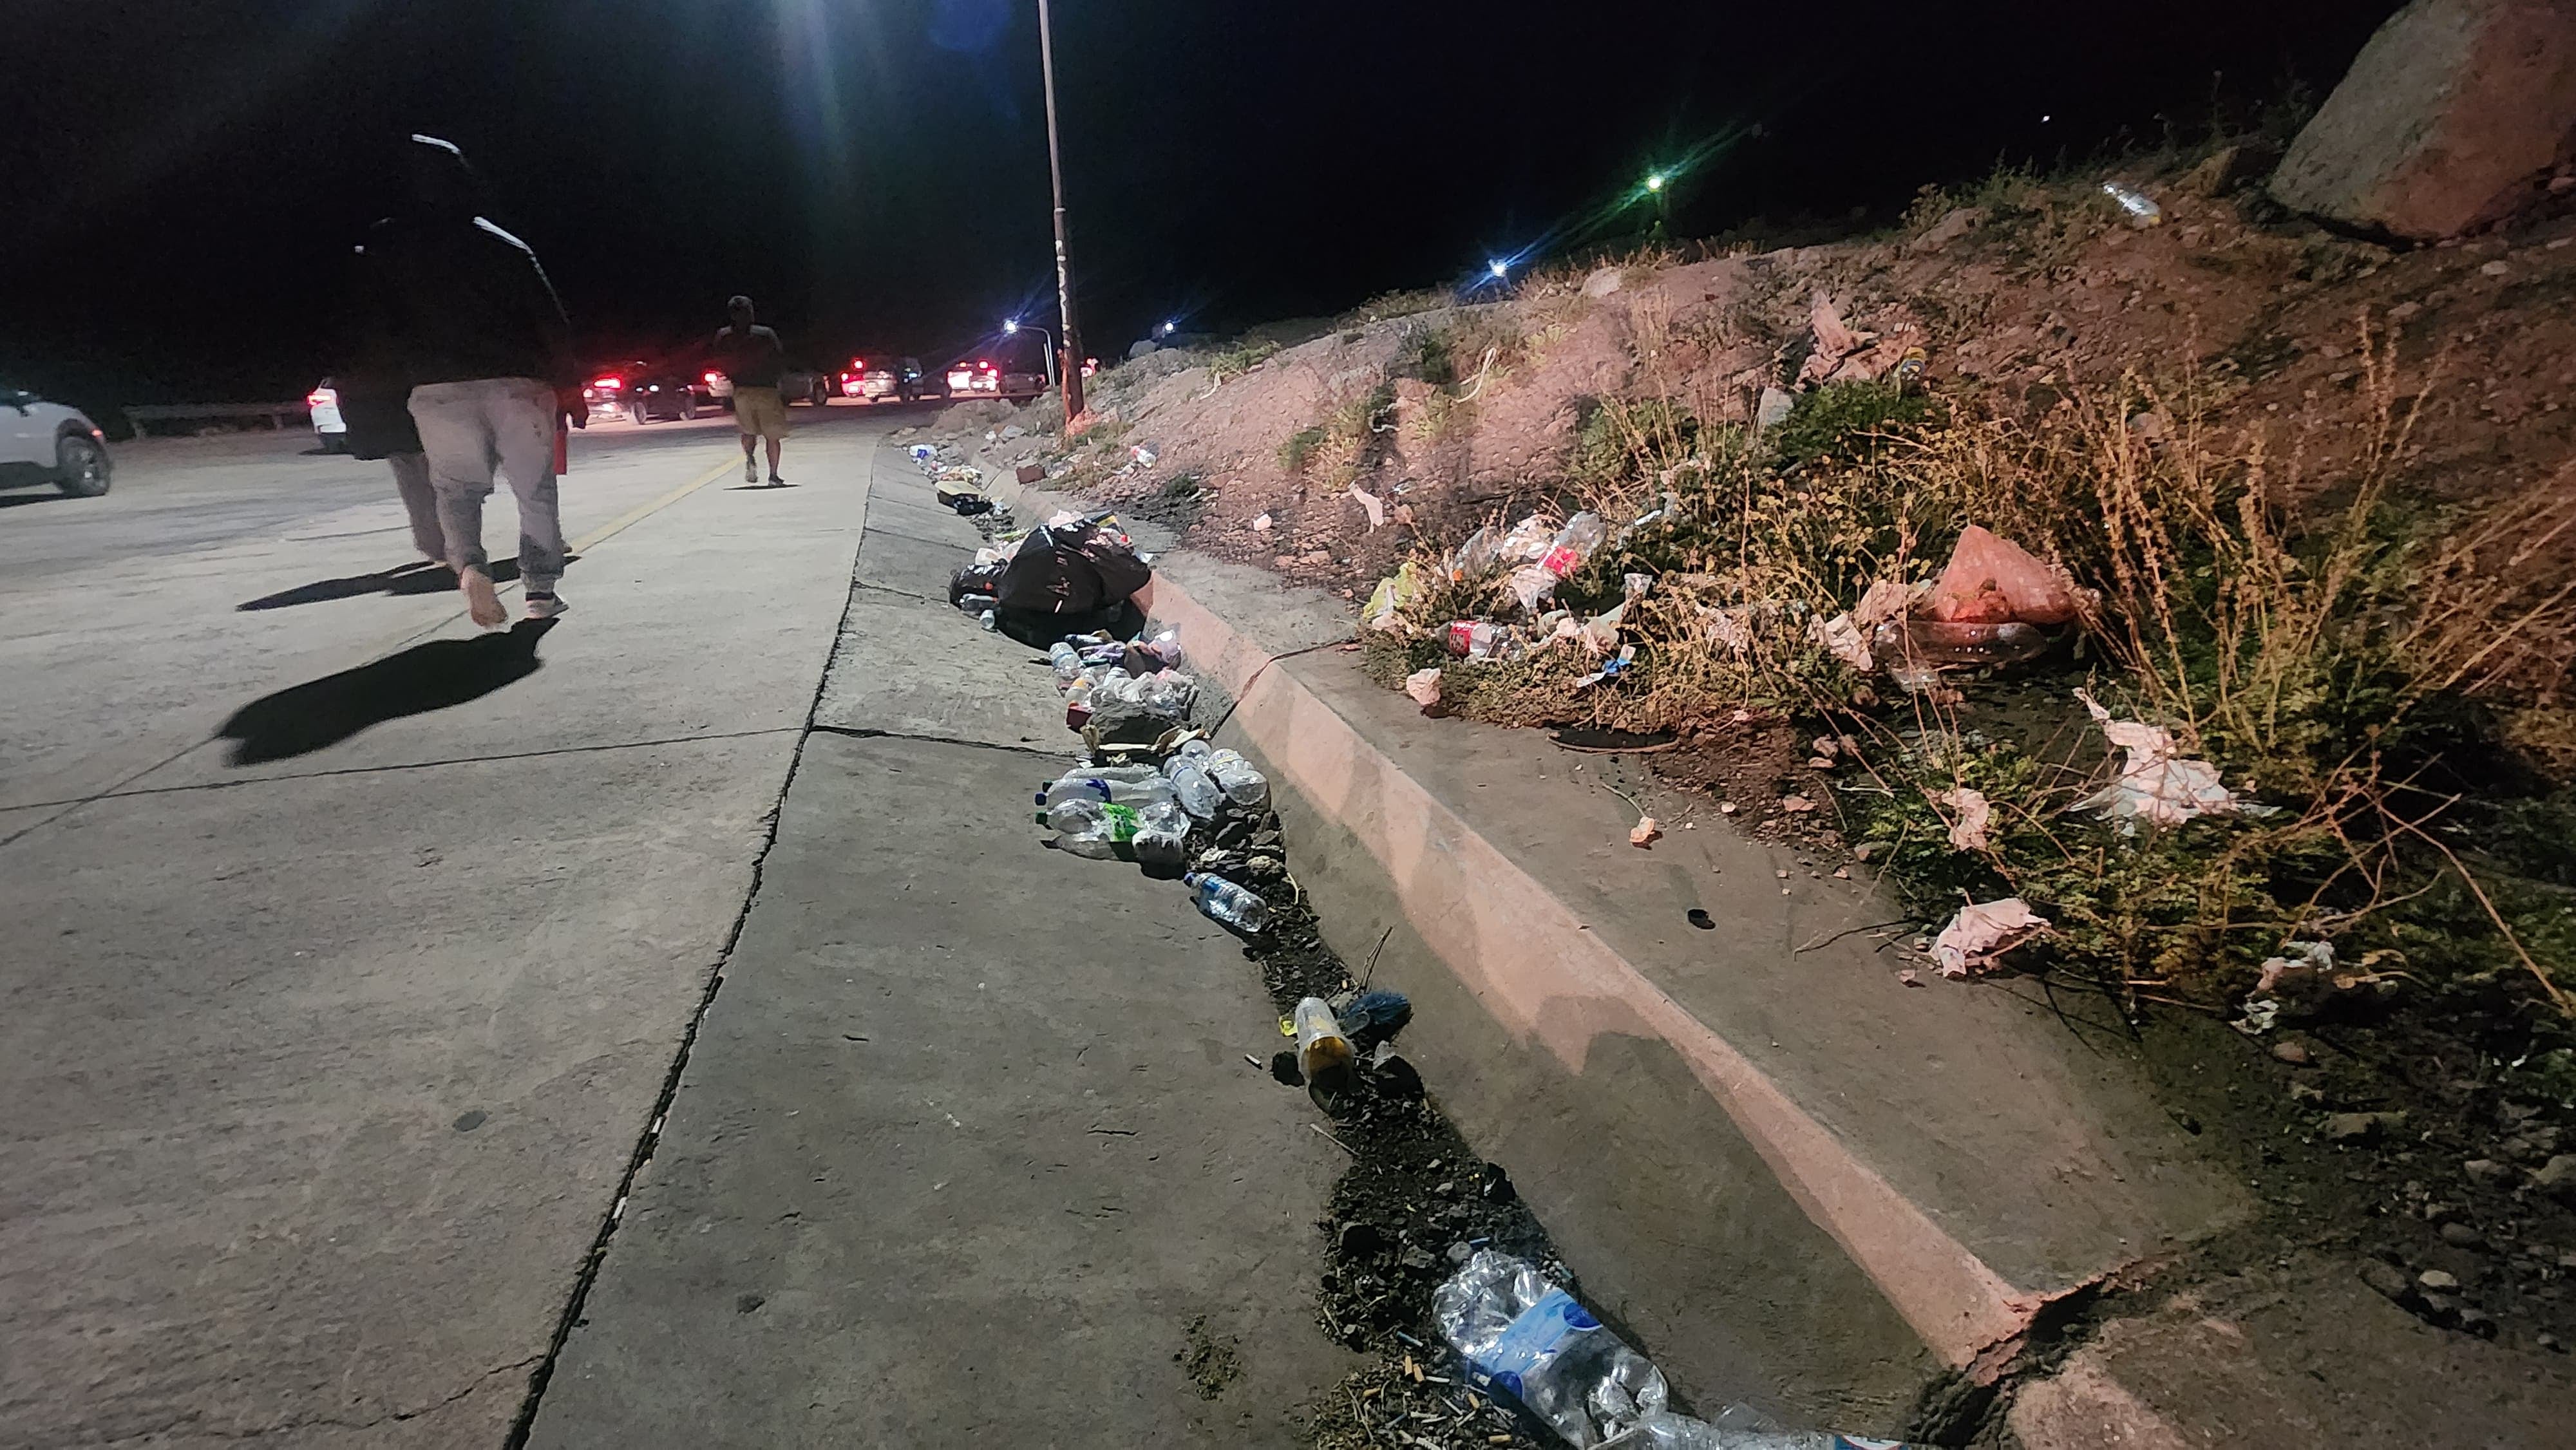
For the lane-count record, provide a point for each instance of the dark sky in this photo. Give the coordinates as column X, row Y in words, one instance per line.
column 184, row 188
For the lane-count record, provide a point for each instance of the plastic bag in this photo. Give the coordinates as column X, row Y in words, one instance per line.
column 1991, row 580
column 1392, row 593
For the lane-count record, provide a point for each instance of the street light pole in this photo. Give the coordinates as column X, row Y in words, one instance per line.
column 1069, row 365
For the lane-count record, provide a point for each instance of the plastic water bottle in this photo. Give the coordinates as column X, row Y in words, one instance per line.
column 1155, row 831
column 1524, row 1336
column 1227, row 904
column 1231, row 774
column 1128, row 785
column 1067, row 661
column 1187, row 771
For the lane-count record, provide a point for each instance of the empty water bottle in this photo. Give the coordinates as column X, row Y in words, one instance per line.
column 2140, row 208
column 1128, row 785
column 1231, row 773
column 1067, row 661
column 1227, row 904
column 1525, row 1337
column 1187, row 771
column 1324, row 1055
column 1106, row 830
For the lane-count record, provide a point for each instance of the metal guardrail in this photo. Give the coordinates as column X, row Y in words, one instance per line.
column 277, row 415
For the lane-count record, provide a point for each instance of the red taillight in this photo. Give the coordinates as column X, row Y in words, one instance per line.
column 714, row 378
column 322, row 398
column 608, row 385
column 858, row 364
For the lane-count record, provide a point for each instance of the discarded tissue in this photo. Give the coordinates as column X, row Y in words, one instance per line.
column 2155, row 786
column 1979, row 934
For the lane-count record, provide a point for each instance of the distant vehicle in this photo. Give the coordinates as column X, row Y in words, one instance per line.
column 879, row 380
column 43, row 442
column 641, row 392
column 795, row 385
column 985, row 378
column 322, row 405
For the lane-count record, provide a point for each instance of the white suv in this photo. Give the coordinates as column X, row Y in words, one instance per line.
column 43, row 442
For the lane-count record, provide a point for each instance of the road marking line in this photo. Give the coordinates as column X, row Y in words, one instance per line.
column 642, row 512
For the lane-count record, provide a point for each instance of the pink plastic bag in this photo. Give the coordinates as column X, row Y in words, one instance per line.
column 1992, row 580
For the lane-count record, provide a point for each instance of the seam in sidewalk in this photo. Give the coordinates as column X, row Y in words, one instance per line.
column 863, row 732
column 112, row 793
column 526, row 1421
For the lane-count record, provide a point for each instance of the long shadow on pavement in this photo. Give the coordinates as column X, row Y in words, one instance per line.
column 418, row 577
column 432, row 676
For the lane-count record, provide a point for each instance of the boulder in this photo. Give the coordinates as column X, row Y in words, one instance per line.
column 2455, row 115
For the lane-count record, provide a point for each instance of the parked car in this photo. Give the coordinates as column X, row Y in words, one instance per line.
column 884, row 379
column 795, row 385
column 42, row 442
column 641, row 392
column 322, row 405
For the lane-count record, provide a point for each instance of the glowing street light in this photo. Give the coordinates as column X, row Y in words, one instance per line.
column 1499, row 268
column 1011, row 328
column 1167, row 329
column 1655, row 182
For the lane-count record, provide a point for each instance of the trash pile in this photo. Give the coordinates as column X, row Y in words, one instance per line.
column 1150, row 787
column 1524, row 1336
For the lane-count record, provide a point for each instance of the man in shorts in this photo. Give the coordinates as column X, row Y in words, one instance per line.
column 753, row 358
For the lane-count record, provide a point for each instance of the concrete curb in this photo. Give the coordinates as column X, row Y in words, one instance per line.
column 1521, row 951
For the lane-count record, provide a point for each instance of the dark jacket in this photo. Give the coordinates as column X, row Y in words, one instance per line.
column 453, row 298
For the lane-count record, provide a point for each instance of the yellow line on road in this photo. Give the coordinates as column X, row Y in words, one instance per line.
column 641, row 512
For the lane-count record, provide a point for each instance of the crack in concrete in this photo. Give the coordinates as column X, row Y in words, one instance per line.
column 863, row 732
column 327, row 1422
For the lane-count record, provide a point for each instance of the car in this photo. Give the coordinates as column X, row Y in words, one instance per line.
column 42, row 442
column 322, row 405
column 884, row 379
column 640, row 392
column 982, row 377
column 795, row 385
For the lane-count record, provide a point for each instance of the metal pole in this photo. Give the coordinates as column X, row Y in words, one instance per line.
column 1069, row 364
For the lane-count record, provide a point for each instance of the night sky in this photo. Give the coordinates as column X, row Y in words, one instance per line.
column 184, row 186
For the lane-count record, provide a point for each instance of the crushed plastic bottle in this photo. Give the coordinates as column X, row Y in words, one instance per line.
column 1233, row 776
column 1128, row 785
column 1155, row 831
column 1523, row 1336
column 1191, row 785
column 2141, row 208
column 1227, row 904
column 1067, row 661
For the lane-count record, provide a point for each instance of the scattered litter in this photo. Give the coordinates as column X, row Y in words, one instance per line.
column 1910, row 977
column 1142, row 454
column 1968, row 832
column 1642, row 835
column 1842, row 639
column 1699, row 917
column 2140, row 208
column 1525, row 1339
column 1566, row 551
column 1375, row 506
column 1991, row 580
column 1914, row 650
column 1325, row 1056
column 1424, row 687
column 1227, row 904
column 1978, row 934
column 2154, row 786
column 1391, row 595
column 1261, row 523
column 1773, row 410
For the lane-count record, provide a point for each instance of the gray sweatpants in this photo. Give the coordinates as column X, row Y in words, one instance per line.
column 467, row 429
column 420, row 501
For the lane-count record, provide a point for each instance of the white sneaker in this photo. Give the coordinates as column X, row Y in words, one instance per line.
column 482, row 605
column 546, row 606
column 750, row 470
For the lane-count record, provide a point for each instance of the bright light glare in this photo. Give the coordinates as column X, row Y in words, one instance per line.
column 1170, row 327
column 1655, row 182
column 1498, row 267
column 1010, row 327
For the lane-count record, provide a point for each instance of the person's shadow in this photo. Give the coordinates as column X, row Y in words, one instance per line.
column 418, row 577
column 432, row 676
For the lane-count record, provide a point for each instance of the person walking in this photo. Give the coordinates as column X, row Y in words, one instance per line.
column 753, row 357
column 467, row 314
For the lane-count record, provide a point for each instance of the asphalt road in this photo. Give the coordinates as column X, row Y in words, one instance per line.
column 657, row 1028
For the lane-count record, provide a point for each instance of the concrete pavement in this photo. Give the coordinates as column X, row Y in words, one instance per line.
column 324, row 1070
column 967, row 1151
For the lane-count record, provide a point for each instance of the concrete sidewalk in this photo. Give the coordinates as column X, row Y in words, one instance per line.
column 967, row 1151
column 324, row 1071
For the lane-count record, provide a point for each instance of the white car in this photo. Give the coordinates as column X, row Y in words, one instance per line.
column 43, row 442
column 322, row 405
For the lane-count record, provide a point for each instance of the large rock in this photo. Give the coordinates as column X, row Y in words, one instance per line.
column 2454, row 115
